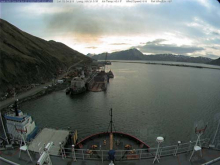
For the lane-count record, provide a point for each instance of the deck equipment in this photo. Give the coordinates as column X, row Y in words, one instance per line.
column 157, row 156
column 45, row 156
column 23, row 145
column 198, row 146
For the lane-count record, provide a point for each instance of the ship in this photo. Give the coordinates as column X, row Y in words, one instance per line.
column 16, row 121
column 100, row 82
column 78, row 85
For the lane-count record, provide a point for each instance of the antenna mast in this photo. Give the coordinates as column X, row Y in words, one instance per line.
column 111, row 120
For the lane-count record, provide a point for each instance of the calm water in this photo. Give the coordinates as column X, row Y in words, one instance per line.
column 147, row 101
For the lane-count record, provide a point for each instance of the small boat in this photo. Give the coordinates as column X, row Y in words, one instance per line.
column 108, row 63
column 67, row 91
column 110, row 74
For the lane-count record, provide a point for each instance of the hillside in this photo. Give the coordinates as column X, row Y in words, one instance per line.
column 215, row 62
column 134, row 54
column 28, row 59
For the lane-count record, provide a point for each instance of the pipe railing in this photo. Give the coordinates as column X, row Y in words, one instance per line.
column 87, row 154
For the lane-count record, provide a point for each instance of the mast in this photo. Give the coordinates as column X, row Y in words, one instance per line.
column 111, row 122
column 16, row 107
column 111, row 134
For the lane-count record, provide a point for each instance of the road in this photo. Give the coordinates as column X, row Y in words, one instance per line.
column 31, row 92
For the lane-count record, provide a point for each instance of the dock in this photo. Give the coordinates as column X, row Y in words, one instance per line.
column 49, row 135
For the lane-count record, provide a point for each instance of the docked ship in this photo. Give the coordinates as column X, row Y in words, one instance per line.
column 100, row 82
column 78, row 85
column 16, row 121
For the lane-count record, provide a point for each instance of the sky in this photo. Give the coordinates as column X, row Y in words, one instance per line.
column 186, row 27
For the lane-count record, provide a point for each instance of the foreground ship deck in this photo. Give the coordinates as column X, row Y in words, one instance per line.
column 97, row 149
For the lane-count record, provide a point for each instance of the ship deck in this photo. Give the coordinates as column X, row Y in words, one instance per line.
column 121, row 141
column 180, row 159
column 49, row 135
column 97, row 87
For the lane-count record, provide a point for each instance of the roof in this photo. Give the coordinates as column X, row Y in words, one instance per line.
column 15, row 118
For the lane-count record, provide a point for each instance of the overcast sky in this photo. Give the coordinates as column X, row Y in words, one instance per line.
column 187, row 27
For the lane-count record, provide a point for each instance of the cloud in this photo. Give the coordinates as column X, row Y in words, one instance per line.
column 119, row 44
column 216, row 33
column 92, row 47
column 155, row 42
column 156, row 46
column 215, row 47
column 192, row 23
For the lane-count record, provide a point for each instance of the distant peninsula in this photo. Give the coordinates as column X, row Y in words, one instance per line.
column 135, row 54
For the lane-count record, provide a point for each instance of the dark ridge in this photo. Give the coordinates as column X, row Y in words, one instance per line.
column 26, row 59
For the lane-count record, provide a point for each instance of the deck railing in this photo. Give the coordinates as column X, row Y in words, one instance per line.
column 98, row 154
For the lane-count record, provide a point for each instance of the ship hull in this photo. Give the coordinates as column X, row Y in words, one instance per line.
column 77, row 91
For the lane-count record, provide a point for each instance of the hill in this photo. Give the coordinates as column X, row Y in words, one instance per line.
column 28, row 59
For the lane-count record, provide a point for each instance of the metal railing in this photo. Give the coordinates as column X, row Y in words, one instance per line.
column 134, row 154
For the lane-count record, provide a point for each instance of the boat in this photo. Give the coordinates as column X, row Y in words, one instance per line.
column 100, row 82
column 67, row 90
column 78, row 85
column 110, row 74
column 108, row 63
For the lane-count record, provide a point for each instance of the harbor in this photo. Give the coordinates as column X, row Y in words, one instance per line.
column 110, row 82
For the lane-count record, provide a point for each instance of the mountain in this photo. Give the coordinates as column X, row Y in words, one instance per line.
column 28, row 59
column 177, row 58
column 215, row 62
column 131, row 54
column 135, row 54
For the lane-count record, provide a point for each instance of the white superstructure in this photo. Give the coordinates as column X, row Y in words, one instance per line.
column 21, row 122
column 78, row 82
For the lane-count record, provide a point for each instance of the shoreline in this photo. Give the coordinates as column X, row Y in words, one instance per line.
column 31, row 95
